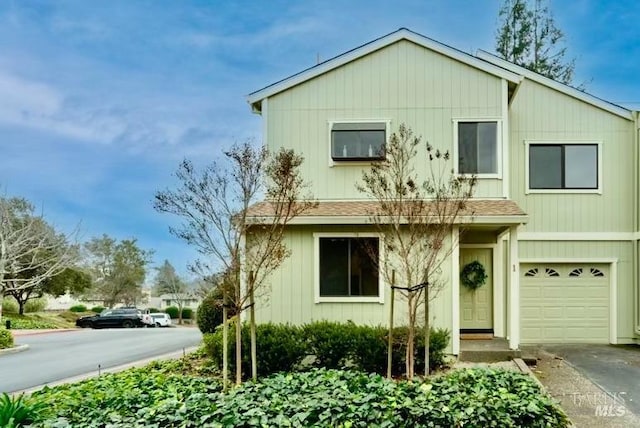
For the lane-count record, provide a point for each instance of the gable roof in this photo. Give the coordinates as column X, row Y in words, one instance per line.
column 560, row 87
column 256, row 97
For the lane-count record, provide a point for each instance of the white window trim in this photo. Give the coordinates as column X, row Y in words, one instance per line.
column 528, row 144
column 316, row 269
column 499, row 144
column 330, row 123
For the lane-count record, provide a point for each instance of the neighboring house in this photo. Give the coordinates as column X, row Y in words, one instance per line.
column 166, row 300
column 556, row 221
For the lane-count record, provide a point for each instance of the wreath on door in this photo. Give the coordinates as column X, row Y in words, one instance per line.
column 473, row 275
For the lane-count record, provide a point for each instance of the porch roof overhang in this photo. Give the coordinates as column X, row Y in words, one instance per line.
column 476, row 212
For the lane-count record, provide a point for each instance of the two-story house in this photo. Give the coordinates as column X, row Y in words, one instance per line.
column 556, row 217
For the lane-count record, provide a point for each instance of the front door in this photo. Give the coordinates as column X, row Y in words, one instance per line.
column 476, row 307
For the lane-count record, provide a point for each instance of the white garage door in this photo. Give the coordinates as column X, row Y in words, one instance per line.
column 564, row 303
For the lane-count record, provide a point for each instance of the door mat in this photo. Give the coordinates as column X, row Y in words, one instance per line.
column 476, row 336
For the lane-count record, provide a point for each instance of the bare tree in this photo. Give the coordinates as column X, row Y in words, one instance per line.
column 31, row 251
column 215, row 204
column 415, row 218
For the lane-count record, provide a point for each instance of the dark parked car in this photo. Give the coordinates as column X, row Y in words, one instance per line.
column 123, row 317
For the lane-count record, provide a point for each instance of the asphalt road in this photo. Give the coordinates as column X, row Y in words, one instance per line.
column 614, row 368
column 55, row 356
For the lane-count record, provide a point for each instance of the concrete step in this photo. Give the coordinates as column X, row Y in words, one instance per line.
column 488, row 355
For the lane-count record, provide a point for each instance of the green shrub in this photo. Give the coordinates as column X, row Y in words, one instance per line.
column 280, row 347
column 35, row 305
column 187, row 313
column 331, row 343
column 78, row 308
column 97, row 309
column 6, row 339
column 438, row 341
column 173, row 312
column 209, row 313
column 9, row 306
column 19, row 411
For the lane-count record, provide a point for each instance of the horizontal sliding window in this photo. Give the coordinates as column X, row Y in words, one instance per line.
column 563, row 166
column 358, row 141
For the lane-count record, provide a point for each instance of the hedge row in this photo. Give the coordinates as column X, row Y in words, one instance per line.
column 283, row 347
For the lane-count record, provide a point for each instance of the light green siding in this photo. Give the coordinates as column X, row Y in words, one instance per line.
column 573, row 250
column 541, row 113
column 291, row 290
column 401, row 83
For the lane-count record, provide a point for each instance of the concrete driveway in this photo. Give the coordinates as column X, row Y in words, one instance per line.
column 614, row 368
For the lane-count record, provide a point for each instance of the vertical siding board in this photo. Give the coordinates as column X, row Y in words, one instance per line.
column 404, row 83
column 535, row 115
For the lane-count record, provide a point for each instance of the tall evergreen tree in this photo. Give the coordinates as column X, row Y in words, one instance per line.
column 528, row 36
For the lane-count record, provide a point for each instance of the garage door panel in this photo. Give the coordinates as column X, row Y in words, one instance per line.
column 564, row 303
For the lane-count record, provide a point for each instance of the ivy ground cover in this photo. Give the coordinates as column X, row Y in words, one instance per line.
column 153, row 397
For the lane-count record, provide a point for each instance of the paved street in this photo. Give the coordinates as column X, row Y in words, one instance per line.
column 55, row 356
column 616, row 369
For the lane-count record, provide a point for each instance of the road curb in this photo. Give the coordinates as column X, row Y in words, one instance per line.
column 14, row 350
column 140, row 363
column 22, row 333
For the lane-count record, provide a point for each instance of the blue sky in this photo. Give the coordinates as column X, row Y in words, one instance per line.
column 100, row 100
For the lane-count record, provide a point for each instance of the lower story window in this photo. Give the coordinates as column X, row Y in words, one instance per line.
column 349, row 267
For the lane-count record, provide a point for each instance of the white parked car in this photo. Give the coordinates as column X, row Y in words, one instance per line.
column 161, row 319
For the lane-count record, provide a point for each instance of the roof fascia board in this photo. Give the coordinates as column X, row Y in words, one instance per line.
column 476, row 220
column 560, row 87
column 402, row 34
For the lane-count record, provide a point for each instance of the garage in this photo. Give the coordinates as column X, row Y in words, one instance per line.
column 564, row 303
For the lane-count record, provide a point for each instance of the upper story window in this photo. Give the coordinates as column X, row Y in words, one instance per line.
column 347, row 268
column 358, row 141
column 478, row 148
column 573, row 167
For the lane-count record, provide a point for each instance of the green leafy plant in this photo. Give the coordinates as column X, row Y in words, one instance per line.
column 141, row 397
column 281, row 347
column 78, row 308
column 9, row 306
column 173, row 312
column 35, row 305
column 97, row 309
column 331, row 398
column 331, row 343
column 187, row 313
column 209, row 313
column 19, row 411
column 159, row 396
column 22, row 322
column 6, row 338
